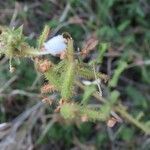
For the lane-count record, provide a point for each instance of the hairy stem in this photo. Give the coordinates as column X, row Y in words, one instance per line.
column 120, row 109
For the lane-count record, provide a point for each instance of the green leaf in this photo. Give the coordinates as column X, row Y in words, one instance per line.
column 121, row 67
column 106, row 107
column 45, row 131
column 19, row 31
column 123, row 25
column 43, row 36
column 68, row 111
column 68, row 80
column 126, row 134
column 136, row 96
column 88, row 91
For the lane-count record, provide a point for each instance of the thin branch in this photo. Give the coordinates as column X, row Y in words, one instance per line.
column 120, row 109
column 8, row 83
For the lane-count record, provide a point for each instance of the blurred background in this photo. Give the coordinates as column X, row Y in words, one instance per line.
column 26, row 123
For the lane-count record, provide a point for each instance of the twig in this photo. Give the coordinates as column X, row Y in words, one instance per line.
column 98, row 85
column 7, row 84
column 141, row 63
column 10, row 139
column 12, row 22
column 65, row 13
column 18, row 121
column 35, row 81
column 21, row 92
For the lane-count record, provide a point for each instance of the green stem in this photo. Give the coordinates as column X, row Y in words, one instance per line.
column 53, row 78
column 120, row 109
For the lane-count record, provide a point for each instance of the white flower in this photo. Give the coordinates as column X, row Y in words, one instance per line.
column 86, row 82
column 54, row 46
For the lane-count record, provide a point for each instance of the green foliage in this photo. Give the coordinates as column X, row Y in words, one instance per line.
column 87, row 73
column 121, row 67
column 53, row 78
column 66, row 132
column 72, row 111
column 69, row 73
column 43, row 36
column 53, row 23
column 88, row 91
column 124, row 24
column 102, row 49
column 75, row 111
column 137, row 97
column 126, row 134
column 67, row 85
column 140, row 124
column 107, row 106
column 68, row 111
column 63, row 76
column 45, row 131
column 13, row 43
column 101, row 138
column 145, row 74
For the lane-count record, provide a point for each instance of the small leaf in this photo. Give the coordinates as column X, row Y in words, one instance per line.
column 43, row 36
column 126, row 134
column 88, row 91
column 124, row 25
column 68, row 111
column 19, row 30
column 102, row 49
column 121, row 67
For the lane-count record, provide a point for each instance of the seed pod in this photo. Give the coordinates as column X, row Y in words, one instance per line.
column 47, row 88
